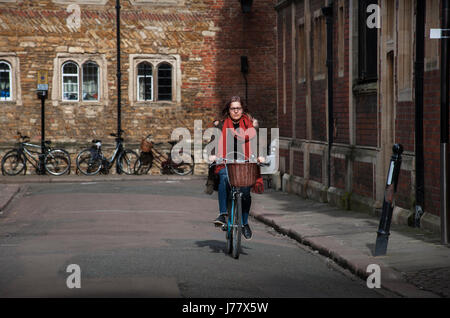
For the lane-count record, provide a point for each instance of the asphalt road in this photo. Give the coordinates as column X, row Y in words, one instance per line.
column 150, row 239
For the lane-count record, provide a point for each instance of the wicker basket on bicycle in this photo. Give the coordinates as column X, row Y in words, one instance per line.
column 242, row 174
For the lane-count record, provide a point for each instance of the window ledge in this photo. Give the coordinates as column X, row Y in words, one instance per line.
column 365, row 88
column 155, row 104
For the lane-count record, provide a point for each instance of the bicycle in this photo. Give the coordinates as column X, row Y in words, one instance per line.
column 150, row 155
column 55, row 161
column 240, row 173
column 91, row 161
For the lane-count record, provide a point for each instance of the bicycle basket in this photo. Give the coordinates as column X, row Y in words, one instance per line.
column 242, row 174
column 146, row 145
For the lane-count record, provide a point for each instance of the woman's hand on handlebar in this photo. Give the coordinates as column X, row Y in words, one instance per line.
column 212, row 158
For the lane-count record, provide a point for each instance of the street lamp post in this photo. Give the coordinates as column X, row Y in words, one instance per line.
column 119, row 74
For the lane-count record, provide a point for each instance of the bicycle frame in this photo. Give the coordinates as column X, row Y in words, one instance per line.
column 29, row 154
column 110, row 161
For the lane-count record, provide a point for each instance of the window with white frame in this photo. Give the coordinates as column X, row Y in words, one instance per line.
column 155, row 78
column 145, row 81
column 5, row 81
column 70, row 81
column 79, row 77
column 79, row 81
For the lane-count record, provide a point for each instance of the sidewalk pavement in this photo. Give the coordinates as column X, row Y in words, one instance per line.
column 416, row 264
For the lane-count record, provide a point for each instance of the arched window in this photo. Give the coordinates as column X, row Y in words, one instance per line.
column 70, row 81
column 165, row 81
column 145, row 81
column 5, row 81
column 90, row 81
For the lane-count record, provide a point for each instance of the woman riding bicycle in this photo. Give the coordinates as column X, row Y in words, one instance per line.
column 236, row 118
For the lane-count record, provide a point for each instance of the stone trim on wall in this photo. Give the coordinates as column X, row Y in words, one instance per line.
column 158, row 2
column 80, row 59
column 155, row 60
column 98, row 2
column 16, row 91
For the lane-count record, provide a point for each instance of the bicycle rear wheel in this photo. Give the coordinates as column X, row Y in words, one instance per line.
column 57, row 162
column 237, row 228
column 183, row 168
column 129, row 161
column 88, row 163
column 13, row 163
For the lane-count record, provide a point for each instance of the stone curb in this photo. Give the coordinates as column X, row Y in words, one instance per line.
column 347, row 258
column 8, row 192
column 106, row 178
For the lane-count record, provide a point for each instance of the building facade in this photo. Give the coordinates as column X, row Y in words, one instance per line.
column 341, row 154
column 180, row 62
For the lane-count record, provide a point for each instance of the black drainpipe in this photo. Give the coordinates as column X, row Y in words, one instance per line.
column 445, row 51
column 419, row 70
column 119, row 74
column 328, row 13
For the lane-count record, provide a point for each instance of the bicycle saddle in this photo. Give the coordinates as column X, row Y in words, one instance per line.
column 94, row 141
column 47, row 142
column 173, row 143
column 22, row 137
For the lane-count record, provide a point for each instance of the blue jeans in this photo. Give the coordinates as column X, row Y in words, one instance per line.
column 224, row 187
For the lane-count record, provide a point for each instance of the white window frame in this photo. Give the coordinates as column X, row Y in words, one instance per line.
column 80, row 60
column 11, row 92
column 82, row 82
column 152, row 84
column 15, row 87
column 71, row 75
column 155, row 60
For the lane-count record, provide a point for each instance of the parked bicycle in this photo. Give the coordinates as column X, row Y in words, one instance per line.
column 149, row 155
column 241, row 173
column 55, row 161
column 91, row 161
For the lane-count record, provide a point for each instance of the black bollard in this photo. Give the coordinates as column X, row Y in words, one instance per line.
column 388, row 203
column 42, row 95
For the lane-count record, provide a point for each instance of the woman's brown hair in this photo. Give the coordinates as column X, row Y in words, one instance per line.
column 233, row 99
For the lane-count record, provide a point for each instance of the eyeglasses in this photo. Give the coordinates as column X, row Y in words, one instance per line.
column 236, row 109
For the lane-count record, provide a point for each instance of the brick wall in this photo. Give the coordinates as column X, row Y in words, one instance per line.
column 209, row 37
column 363, row 179
column 431, row 138
column 315, row 167
column 298, row 164
column 338, row 173
column 366, row 120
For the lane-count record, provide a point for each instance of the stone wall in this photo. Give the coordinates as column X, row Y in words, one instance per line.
column 205, row 38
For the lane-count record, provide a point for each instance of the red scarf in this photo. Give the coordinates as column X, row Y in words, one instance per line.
column 245, row 134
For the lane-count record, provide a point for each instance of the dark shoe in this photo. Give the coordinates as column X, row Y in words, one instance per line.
column 220, row 220
column 247, row 232
column 209, row 188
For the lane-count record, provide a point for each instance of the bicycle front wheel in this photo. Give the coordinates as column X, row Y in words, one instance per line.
column 183, row 168
column 129, row 162
column 88, row 163
column 12, row 163
column 144, row 163
column 57, row 162
column 237, row 228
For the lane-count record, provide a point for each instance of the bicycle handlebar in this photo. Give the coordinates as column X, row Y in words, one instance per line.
column 22, row 137
column 224, row 161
